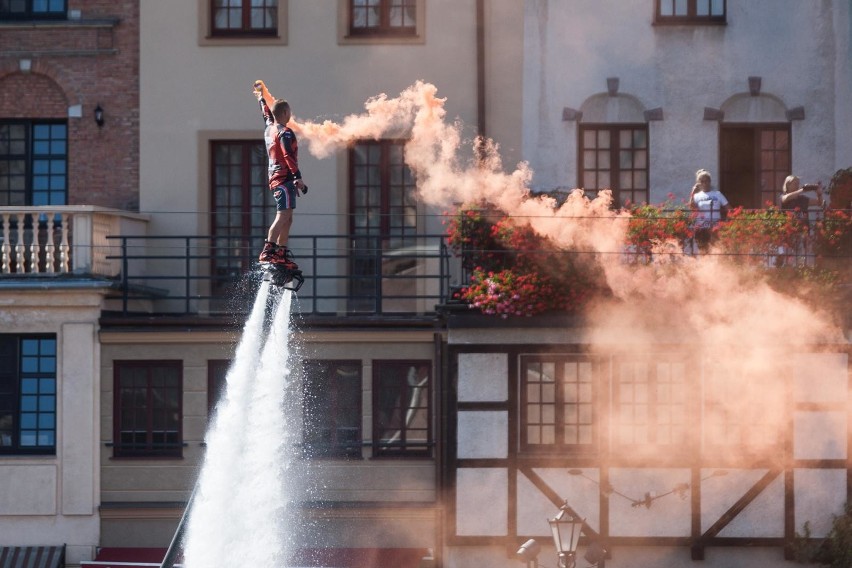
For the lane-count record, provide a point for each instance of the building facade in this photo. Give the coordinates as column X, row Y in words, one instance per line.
column 134, row 203
column 69, row 112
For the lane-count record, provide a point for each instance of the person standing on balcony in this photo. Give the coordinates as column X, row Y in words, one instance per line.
column 798, row 199
column 285, row 179
column 795, row 197
column 710, row 207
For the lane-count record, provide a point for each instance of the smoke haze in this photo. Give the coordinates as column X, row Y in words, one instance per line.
column 721, row 302
column 733, row 321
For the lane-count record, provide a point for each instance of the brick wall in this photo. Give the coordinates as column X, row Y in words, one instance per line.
column 86, row 62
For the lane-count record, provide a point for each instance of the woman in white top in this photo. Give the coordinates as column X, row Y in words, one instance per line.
column 710, row 207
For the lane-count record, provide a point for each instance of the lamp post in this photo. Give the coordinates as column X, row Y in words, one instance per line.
column 566, row 529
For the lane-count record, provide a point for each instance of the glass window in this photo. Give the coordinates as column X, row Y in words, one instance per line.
column 33, row 163
column 558, row 404
column 651, row 409
column 383, row 17
column 754, row 159
column 383, row 224
column 244, row 17
column 148, row 410
column 33, row 10
column 615, row 157
column 402, row 408
column 690, row 11
column 332, row 409
column 241, row 204
column 28, row 388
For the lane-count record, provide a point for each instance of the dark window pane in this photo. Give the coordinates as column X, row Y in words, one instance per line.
column 332, row 409
column 383, row 17
column 148, row 417
column 402, row 408
column 243, row 18
column 690, row 11
column 27, row 394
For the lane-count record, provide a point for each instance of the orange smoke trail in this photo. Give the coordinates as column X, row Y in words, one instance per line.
column 705, row 293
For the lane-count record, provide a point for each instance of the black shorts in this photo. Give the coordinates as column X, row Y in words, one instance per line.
column 285, row 196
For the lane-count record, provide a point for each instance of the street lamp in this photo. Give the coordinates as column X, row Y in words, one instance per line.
column 566, row 530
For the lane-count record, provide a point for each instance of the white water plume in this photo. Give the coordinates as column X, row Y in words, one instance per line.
column 239, row 510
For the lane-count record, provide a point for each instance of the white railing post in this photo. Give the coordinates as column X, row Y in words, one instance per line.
column 64, row 246
column 81, row 248
column 6, row 248
column 49, row 247
column 20, row 264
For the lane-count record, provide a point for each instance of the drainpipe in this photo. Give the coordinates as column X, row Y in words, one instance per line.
column 480, row 67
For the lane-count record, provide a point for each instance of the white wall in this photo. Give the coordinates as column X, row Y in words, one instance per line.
column 799, row 49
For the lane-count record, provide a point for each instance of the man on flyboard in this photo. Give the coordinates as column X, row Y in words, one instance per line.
column 285, row 182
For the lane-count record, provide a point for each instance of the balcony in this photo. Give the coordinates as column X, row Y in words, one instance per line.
column 215, row 276
column 190, row 275
column 51, row 242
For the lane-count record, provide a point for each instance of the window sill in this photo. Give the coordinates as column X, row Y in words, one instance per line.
column 59, row 24
column 240, row 40
column 25, row 456
column 146, row 458
column 379, row 39
column 690, row 23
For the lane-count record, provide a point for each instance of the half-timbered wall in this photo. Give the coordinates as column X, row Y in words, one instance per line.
column 665, row 461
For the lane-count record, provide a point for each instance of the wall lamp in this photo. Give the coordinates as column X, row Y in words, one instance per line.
column 99, row 116
column 528, row 552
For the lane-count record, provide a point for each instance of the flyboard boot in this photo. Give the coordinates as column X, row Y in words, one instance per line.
column 279, row 267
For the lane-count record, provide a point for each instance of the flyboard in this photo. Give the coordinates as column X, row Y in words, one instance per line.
column 277, row 274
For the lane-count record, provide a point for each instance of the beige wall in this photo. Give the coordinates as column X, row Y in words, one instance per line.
column 190, row 86
column 64, row 487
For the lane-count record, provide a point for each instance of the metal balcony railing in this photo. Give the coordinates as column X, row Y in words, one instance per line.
column 344, row 274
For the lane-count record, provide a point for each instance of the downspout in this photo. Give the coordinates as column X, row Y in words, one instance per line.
column 480, row 68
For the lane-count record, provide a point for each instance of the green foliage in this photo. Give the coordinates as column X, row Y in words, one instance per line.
column 470, row 234
column 751, row 234
column 515, row 271
column 840, row 189
column 833, row 234
column 834, row 550
column 652, row 224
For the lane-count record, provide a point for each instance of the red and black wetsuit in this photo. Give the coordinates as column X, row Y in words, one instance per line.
column 282, row 148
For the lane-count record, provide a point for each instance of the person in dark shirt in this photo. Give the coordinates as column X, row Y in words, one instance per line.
column 795, row 197
column 285, row 179
column 798, row 199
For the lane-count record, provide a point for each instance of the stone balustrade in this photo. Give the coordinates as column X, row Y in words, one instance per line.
column 57, row 240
